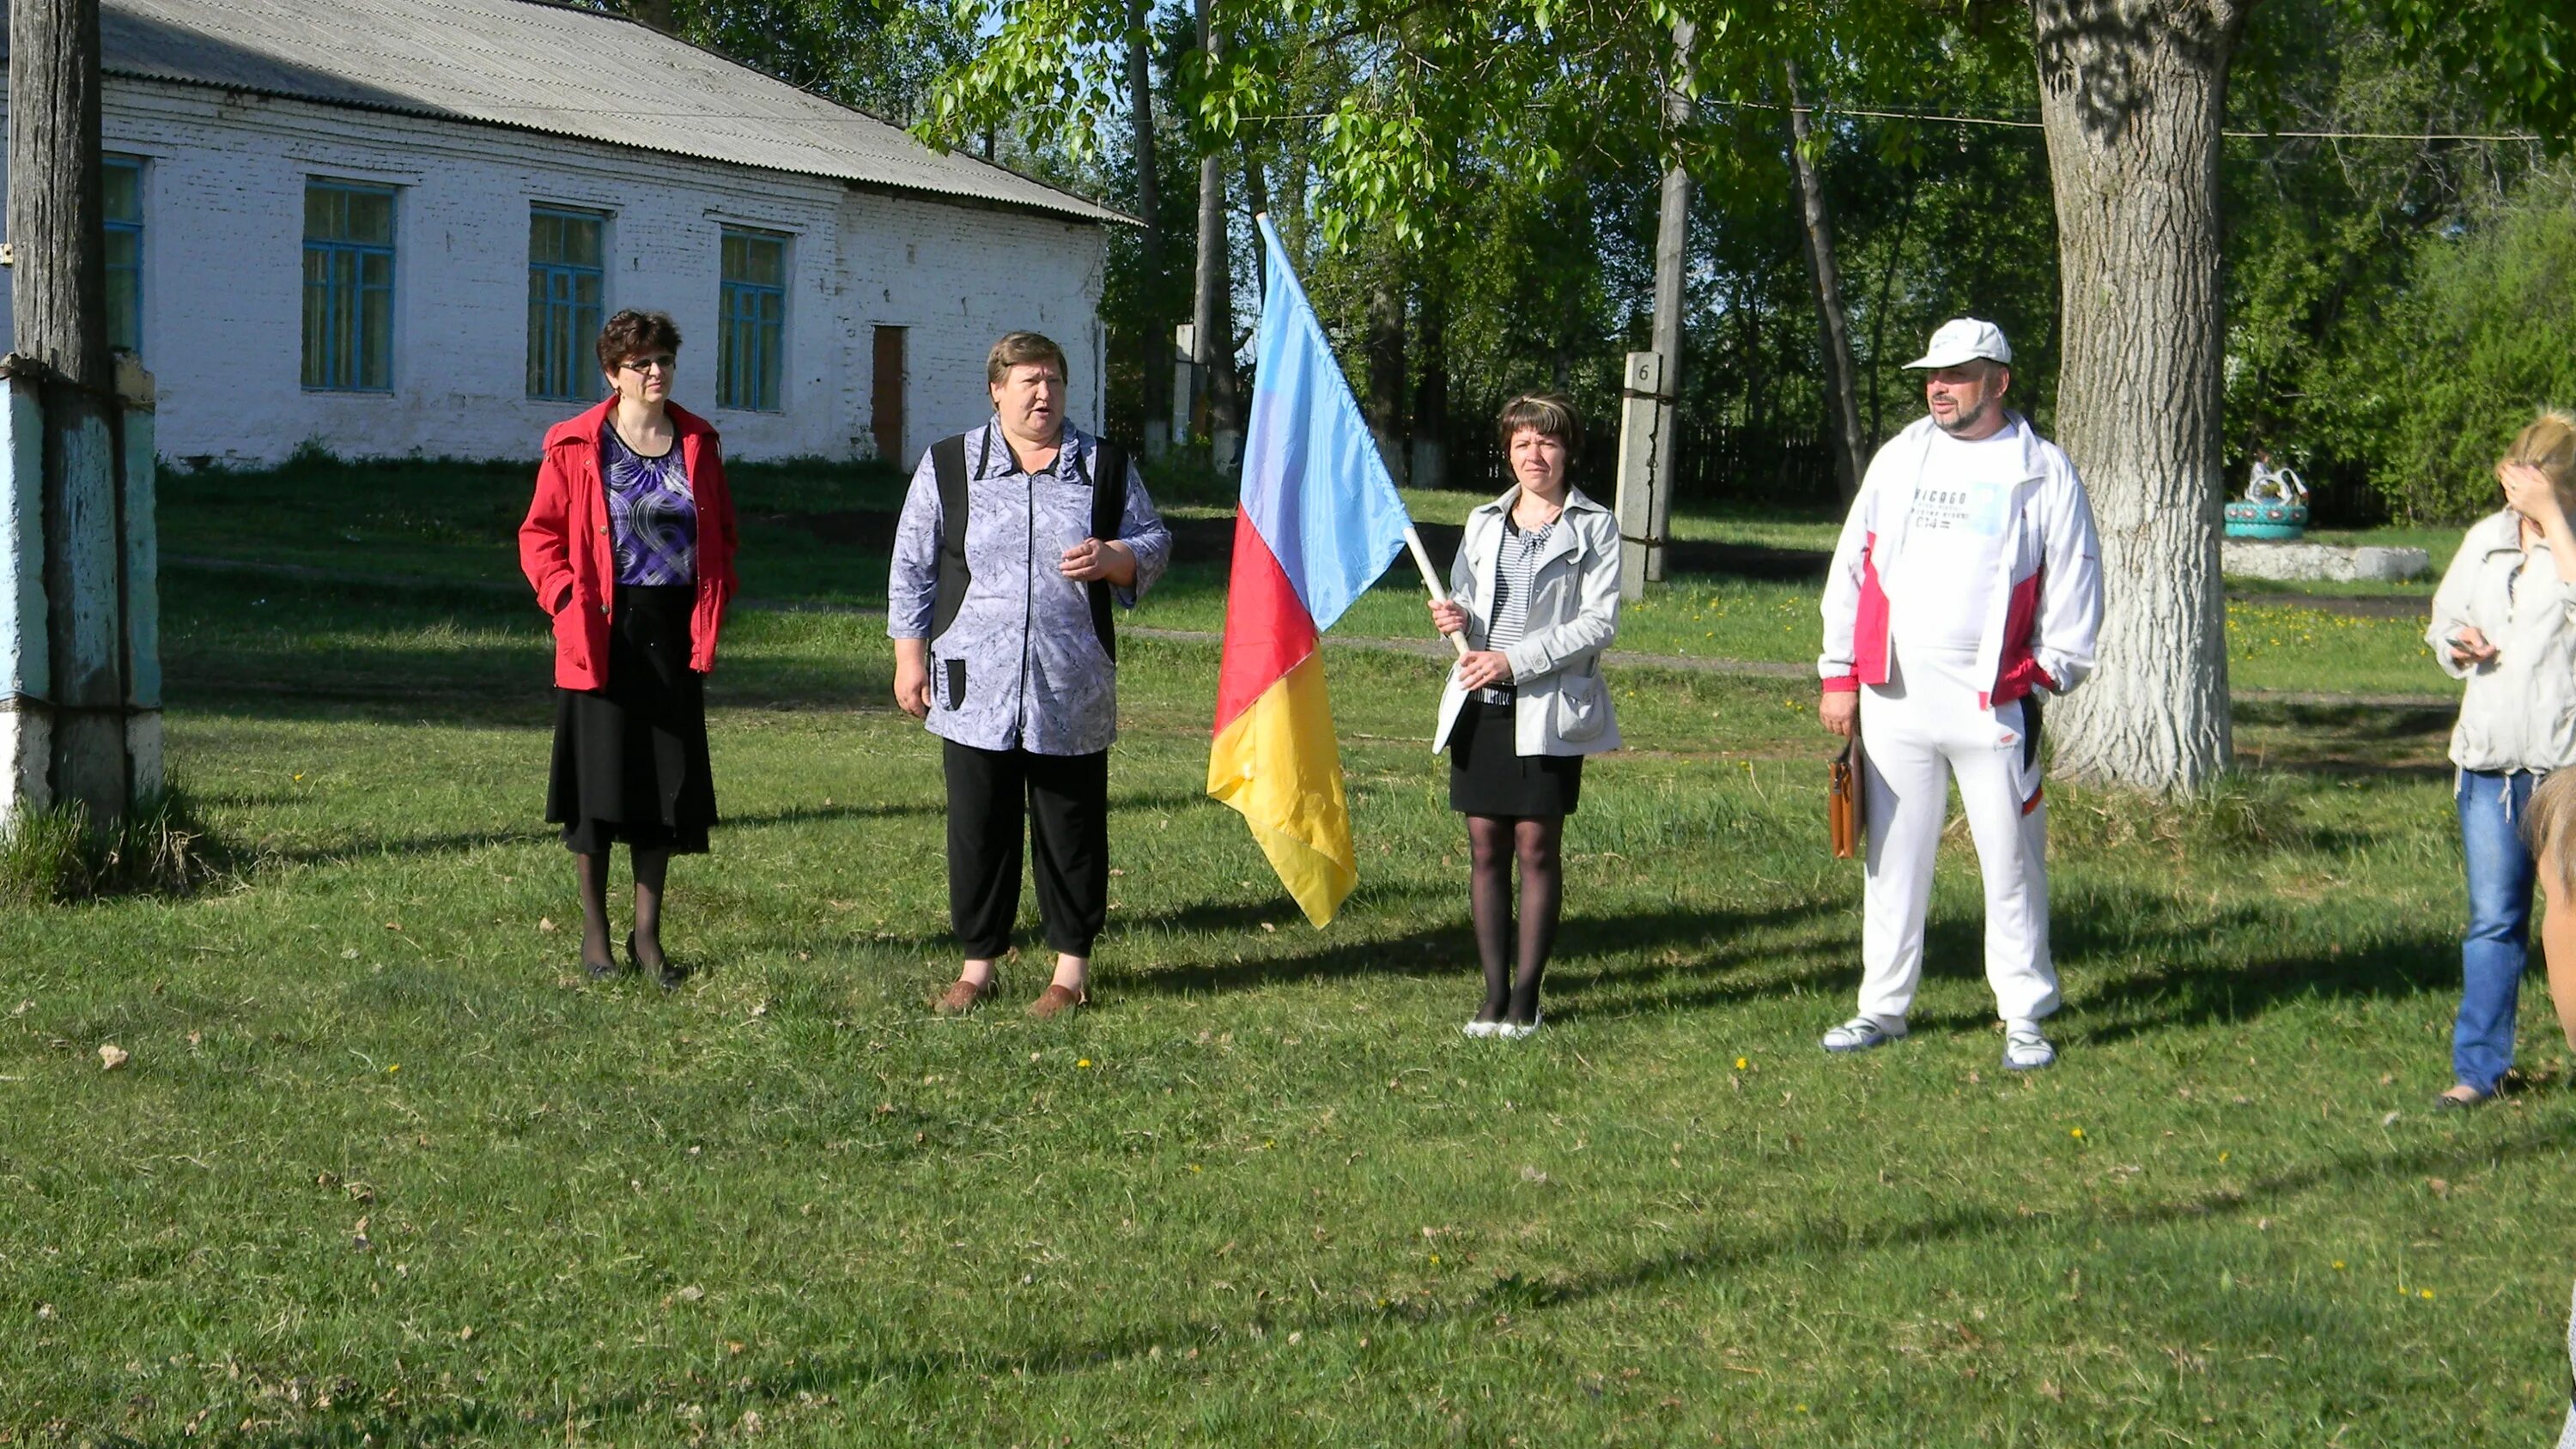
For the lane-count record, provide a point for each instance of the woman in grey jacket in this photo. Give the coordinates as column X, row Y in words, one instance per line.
column 2504, row 621
column 1535, row 590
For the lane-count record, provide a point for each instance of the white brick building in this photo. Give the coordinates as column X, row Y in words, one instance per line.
column 391, row 226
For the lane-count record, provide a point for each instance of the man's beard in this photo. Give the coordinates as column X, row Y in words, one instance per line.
column 1961, row 422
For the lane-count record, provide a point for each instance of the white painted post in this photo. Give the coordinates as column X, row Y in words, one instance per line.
column 1641, row 413
column 125, row 621
column 141, row 583
column 1185, row 380
column 26, row 652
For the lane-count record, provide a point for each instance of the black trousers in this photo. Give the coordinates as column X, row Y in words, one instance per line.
column 1064, row 800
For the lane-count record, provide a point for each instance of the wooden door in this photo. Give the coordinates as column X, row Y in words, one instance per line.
column 885, row 407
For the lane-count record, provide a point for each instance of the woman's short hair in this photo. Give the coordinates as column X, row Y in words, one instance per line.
column 2548, row 443
column 1548, row 414
column 631, row 333
column 1018, row 349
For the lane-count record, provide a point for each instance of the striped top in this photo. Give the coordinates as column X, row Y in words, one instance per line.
column 1513, row 570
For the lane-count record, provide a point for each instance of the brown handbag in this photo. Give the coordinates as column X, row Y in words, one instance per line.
column 1844, row 817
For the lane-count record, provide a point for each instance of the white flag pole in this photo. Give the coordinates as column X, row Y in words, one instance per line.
column 1431, row 581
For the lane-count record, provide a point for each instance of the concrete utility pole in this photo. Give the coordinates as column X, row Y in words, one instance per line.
column 1140, row 115
column 78, row 652
column 1643, row 405
column 1672, row 244
column 1212, row 334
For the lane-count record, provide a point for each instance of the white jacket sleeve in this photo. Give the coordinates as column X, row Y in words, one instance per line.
column 2453, row 603
column 1842, row 585
column 2070, row 605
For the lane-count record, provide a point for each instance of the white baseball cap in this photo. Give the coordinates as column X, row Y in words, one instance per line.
column 1964, row 339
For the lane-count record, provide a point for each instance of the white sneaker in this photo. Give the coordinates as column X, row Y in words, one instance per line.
column 1517, row 1030
column 1481, row 1029
column 2025, row 1050
column 1860, row 1034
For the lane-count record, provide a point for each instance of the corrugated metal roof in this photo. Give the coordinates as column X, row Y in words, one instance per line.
column 543, row 67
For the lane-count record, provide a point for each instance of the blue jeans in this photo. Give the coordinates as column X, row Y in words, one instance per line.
column 2492, row 955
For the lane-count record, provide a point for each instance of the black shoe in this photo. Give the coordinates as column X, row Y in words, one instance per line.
column 671, row 974
column 2450, row 1103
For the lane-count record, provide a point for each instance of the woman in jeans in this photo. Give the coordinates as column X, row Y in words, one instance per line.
column 1535, row 590
column 2502, row 622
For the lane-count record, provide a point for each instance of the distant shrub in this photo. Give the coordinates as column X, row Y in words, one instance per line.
column 2483, row 337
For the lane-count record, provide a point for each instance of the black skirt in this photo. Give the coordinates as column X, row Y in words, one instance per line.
column 631, row 760
column 1489, row 776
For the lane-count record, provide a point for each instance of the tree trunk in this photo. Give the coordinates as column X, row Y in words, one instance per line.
column 1156, row 341
column 1431, row 388
column 1210, row 329
column 656, row 13
column 1386, row 373
column 1842, row 394
column 1878, row 314
column 2131, row 93
column 1256, row 202
column 1672, row 247
column 58, row 297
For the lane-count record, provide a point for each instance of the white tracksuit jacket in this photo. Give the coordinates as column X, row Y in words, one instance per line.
column 1939, row 714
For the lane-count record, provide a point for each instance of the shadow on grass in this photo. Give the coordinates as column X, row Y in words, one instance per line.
column 2174, row 986
column 2345, row 740
column 1697, row 943
column 1814, row 1243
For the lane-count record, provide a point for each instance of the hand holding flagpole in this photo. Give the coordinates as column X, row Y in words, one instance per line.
column 1431, row 581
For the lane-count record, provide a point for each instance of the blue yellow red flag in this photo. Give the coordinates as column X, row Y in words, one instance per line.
column 1319, row 521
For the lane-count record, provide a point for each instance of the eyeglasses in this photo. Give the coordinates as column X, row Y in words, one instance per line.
column 659, row 362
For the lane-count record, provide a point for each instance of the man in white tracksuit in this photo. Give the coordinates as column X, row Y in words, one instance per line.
column 1966, row 586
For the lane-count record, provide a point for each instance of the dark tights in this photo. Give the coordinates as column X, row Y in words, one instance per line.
column 651, row 868
column 1492, row 843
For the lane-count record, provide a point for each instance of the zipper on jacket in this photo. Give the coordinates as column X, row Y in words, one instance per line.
column 1028, row 597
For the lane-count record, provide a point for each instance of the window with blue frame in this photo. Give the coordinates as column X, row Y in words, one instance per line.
column 752, row 321
column 123, row 176
column 348, row 287
column 566, row 284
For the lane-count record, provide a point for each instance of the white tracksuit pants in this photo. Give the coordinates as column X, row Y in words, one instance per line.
column 1918, row 729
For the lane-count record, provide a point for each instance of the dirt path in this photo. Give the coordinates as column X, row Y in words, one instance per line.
column 1427, row 648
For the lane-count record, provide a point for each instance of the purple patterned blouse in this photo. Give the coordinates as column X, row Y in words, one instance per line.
column 652, row 514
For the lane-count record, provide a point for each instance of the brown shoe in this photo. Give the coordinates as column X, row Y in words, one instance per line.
column 1055, row 1001
column 962, row 996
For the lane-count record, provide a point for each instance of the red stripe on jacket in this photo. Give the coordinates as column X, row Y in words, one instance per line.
column 570, row 558
column 2017, row 672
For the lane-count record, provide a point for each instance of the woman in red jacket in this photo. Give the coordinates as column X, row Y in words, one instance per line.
column 629, row 545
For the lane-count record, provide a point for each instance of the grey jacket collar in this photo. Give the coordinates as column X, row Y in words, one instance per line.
column 1561, row 543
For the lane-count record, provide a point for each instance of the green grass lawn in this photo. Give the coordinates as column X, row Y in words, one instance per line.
column 383, row 1169
column 812, row 536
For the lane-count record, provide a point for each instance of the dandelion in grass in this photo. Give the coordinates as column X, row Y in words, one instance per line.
column 1743, row 1063
column 2075, row 1132
column 1084, row 1062
column 2338, row 1265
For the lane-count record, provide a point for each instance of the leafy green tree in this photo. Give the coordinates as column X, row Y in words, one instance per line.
column 882, row 56
column 2482, row 336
